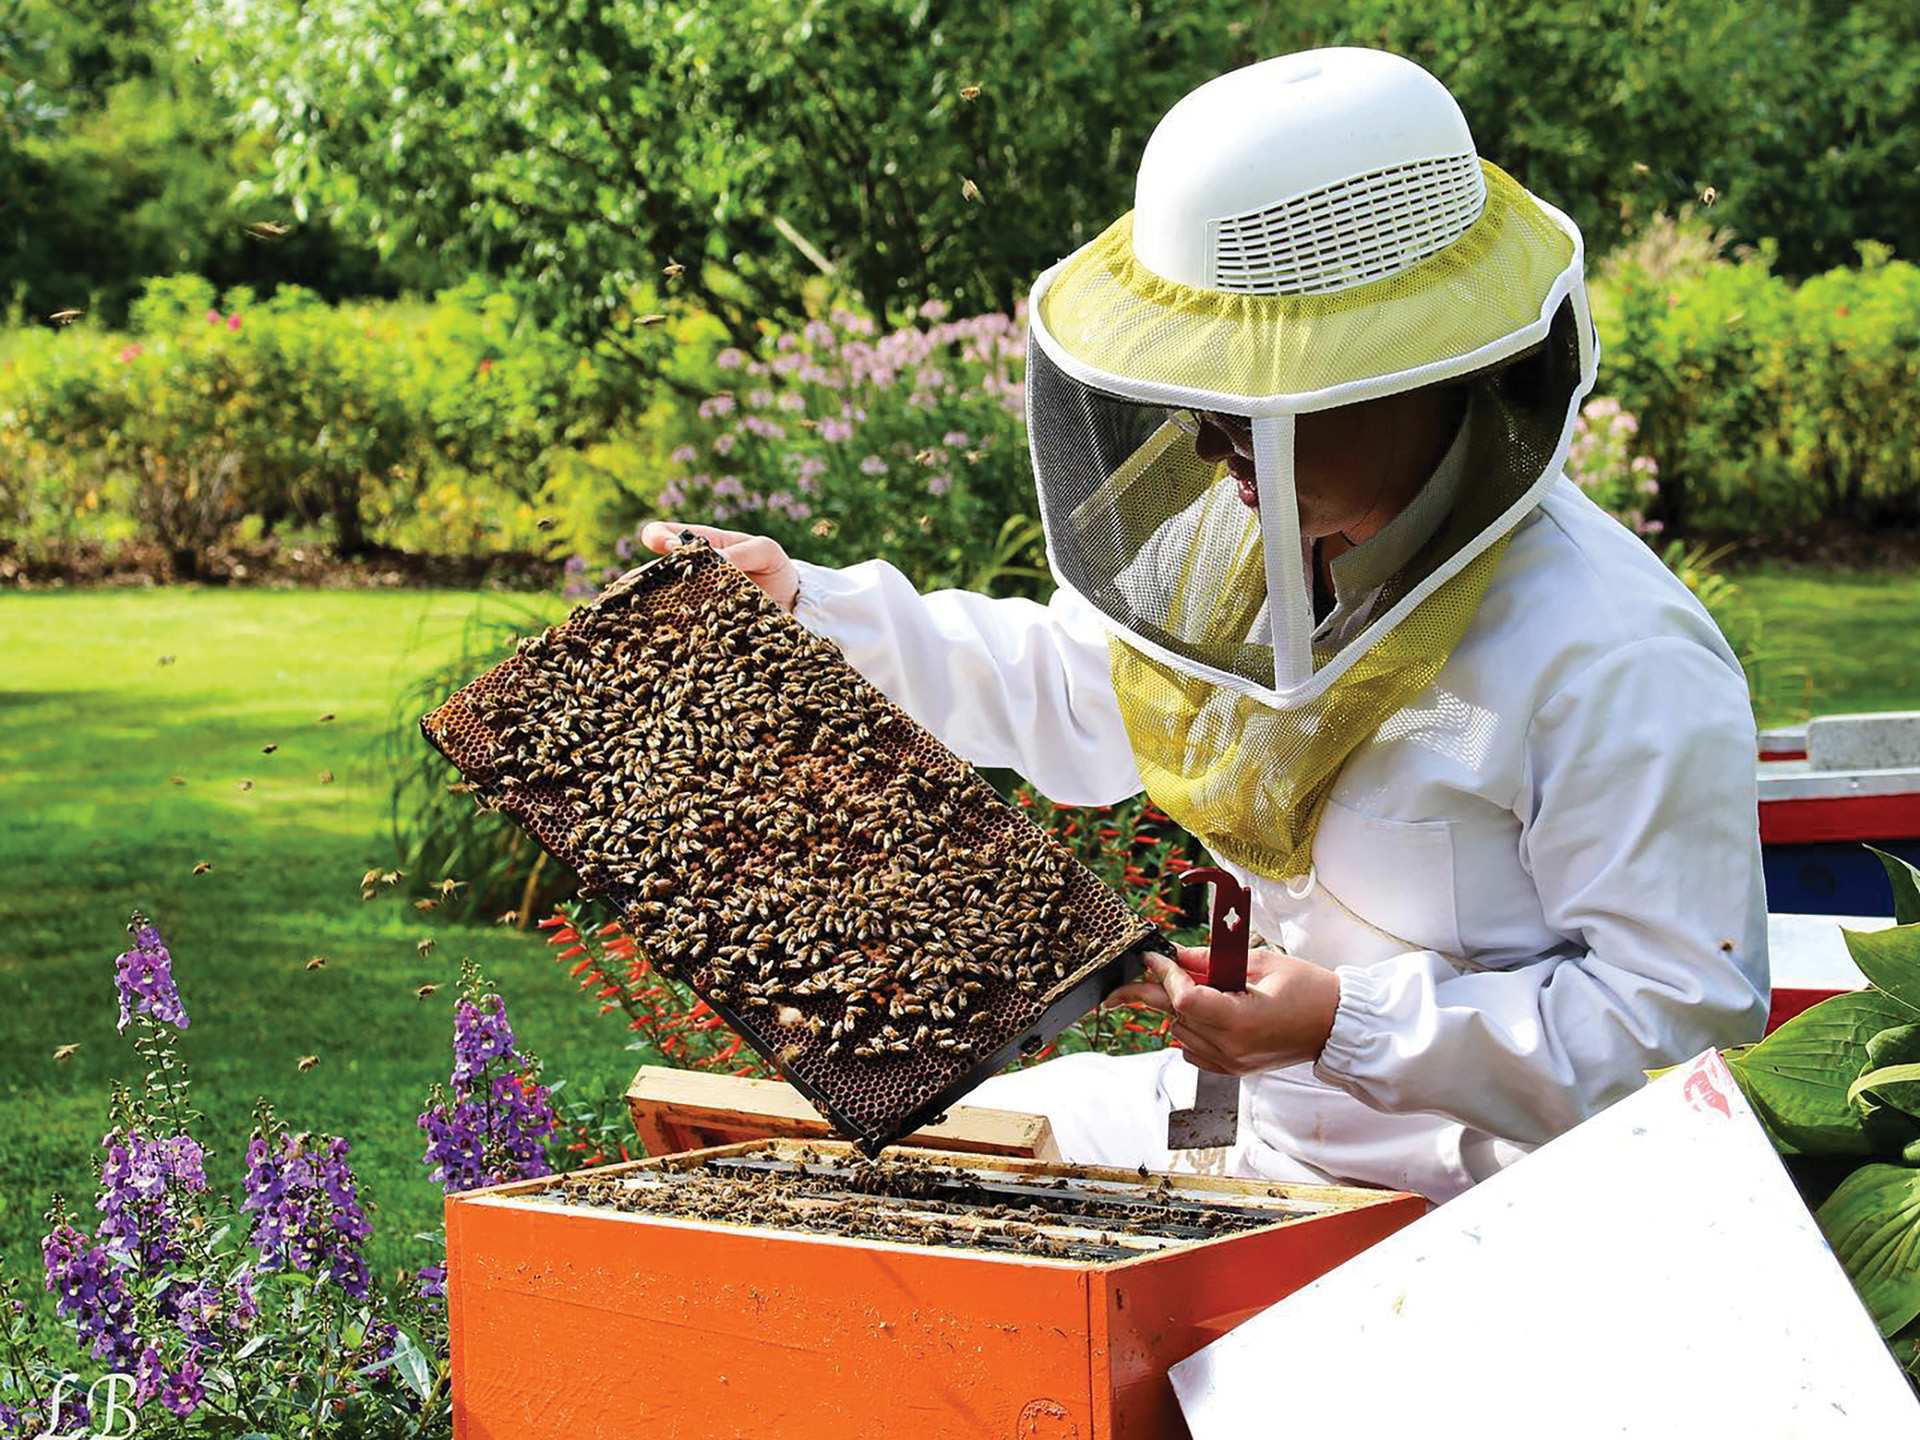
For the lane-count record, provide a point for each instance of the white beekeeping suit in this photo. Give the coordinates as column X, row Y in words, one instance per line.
column 1504, row 787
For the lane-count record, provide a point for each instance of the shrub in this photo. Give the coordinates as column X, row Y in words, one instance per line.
column 1773, row 407
column 910, row 446
column 380, row 422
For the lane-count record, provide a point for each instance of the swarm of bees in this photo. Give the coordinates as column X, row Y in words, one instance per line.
column 776, row 832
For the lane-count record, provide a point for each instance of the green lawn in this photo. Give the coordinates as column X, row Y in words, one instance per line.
column 92, row 727
column 1834, row 641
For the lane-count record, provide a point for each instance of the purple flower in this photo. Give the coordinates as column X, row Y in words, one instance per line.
column 144, row 977
column 481, row 1035
column 873, row 465
column 684, row 454
column 183, row 1392
column 432, row 1280
column 793, row 402
column 935, row 310
column 148, row 1376
column 246, row 1307
column 90, row 1293
column 715, row 406
column 140, row 1184
column 956, row 438
column 939, row 484
column 835, row 431
column 307, row 1209
column 730, row 359
column 723, row 444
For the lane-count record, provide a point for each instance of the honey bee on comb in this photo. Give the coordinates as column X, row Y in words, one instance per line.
column 844, row 891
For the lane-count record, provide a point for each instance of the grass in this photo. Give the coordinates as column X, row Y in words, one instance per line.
column 93, row 727
column 1834, row 641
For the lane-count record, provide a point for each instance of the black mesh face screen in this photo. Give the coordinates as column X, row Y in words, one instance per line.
column 1144, row 527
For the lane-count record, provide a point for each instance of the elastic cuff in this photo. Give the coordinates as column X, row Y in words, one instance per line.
column 820, row 585
column 1363, row 997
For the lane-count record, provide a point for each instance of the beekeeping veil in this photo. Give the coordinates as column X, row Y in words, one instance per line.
column 1308, row 232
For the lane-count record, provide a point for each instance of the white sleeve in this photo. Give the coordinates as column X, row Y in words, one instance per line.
column 1003, row 682
column 1640, row 828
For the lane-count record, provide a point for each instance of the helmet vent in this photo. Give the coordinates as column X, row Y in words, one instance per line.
column 1346, row 234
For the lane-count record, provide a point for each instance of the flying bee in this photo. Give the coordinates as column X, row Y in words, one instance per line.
column 269, row 748
column 427, row 903
column 673, row 269
column 326, row 777
column 425, row 991
column 449, row 885
column 318, row 962
column 969, row 191
column 647, row 321
column 424, row 947
column 176, row 779
column 307, row 1062
column 969, row 92
column 246, row 785
column 326, row 719
column 203, row 867
column 268, row 229
column 65, row 317
column 65, row 1052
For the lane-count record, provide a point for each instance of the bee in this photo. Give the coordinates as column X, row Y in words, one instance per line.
column 969, row 92
column 969, row 191
column 65, row 317
column 392, row 877
column 176, row 779
column 424, row 947
column 449, row 885
column 1708, row 195
column 318, row 962
column 426, row 904
column 269, row 748
column 326, row 777
column 203, row 867
column 369, row 880
column 65, row 1052
column 326, row 719
column 462, row 787
column 546, row 522
column 647, row 321
column 425, row 991
column 166, row 660
column 267, row 229
column 673, row 269
column 246, row 785
column 307, row 1062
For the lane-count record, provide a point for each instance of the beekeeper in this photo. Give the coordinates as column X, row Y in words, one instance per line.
column 1297, row 427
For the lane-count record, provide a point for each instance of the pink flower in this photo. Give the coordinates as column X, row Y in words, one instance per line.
column 716, row 405
column 835, row 431
column 873, row 465
column 723, row 444
column 792, row 402
column 684, row 454
column 939, row 484
column 935, row 310
column 132, row 352
column 759, row 399
column 233, row 322
column 956, row 437
column 213, row 317
column 730, row 358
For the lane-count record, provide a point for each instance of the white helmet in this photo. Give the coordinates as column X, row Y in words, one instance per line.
column 1308, row 232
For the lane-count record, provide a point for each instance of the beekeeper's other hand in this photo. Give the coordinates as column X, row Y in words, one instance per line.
column 1282, row 1018
column 764, row 562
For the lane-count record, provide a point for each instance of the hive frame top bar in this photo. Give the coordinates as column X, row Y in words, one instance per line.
column 690, row 625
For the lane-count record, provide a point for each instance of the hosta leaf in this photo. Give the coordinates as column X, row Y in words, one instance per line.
column 1798, row 1077
column 1873, row 1223
column 1905, row 879
column 1895, row 1085
column 1891, row 960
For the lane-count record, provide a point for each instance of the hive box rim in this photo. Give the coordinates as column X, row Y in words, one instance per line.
column 1332, row 1200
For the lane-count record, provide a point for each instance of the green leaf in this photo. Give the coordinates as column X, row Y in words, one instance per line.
column 1905, row 880
column 1873, row 1223
column 1890, row 959
column 1897, row 1085
column 411, row 1363
column 1798, row 1077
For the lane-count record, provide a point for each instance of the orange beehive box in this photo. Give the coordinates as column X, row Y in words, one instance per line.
column 580, row 1323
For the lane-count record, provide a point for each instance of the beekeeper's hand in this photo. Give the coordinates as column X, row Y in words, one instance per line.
column 1283, row 1017
column 764, row 562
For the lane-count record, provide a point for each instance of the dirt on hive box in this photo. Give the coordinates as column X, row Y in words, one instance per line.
column 1088, row 1215
column 848, row 894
